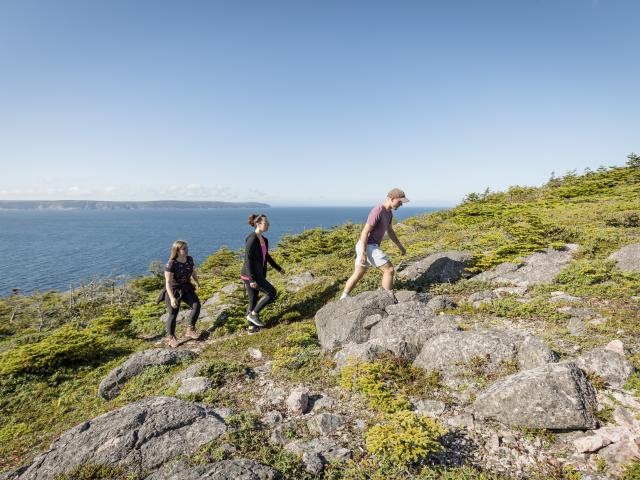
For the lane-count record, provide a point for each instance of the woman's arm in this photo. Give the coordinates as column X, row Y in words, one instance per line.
column 195, row 277
column 248, row 256
column 168, row 279
column 273, row 263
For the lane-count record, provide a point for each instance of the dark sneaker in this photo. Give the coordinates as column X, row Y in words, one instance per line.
column 253, row 318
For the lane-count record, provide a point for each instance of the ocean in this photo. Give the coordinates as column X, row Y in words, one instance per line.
column 59, row 250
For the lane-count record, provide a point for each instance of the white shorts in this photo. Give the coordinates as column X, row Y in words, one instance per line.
column 375, row 255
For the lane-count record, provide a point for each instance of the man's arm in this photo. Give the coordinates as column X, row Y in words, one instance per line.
column 364, row 236
column 394, row 238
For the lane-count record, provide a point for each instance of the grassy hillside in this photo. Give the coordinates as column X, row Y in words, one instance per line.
column 55, row 348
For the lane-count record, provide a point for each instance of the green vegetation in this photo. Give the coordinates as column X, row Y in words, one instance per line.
column 55, row 348
column 404, row 437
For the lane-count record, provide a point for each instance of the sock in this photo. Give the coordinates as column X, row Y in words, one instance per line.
column 344, row 295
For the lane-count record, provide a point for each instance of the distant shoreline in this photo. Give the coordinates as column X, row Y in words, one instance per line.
column 111, row 205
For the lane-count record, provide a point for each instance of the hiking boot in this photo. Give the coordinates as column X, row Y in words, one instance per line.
column 253, row 318
column 173, row 341
column 192, row 333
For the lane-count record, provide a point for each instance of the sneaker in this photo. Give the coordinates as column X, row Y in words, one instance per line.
column 173, row 341
column 191, row 333
column 253, row 318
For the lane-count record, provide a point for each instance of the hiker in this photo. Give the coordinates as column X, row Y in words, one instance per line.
column 368, row 251
column 178, row 272
column 254, row 270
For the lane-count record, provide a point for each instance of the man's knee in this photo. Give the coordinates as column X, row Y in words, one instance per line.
column 388, row 268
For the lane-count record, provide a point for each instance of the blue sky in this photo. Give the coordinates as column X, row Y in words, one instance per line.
column 311, row 103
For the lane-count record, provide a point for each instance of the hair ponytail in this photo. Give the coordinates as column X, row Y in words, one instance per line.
column 255, row 219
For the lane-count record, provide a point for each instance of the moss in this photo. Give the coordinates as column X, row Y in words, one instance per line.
column 631, row 471
column 95, row 472
column 404, row 437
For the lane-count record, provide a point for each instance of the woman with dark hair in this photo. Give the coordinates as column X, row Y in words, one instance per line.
column 178, row 272
column 254, row 269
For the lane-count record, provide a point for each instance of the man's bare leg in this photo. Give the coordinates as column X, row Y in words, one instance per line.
column 387, row 276
column 355, row 277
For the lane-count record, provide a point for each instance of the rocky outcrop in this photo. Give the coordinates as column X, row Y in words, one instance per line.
column 141, row 436
column 554, row 396
column 450, row 353
column 443, row 267
column 627, row 258
column 110, row 387
column 540, row 267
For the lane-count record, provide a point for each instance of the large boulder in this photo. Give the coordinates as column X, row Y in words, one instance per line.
column 110, row 387
column 554, row 396
column 345, row 321
column 414, row 327
column 612, row 367
column 450, row 353
column 538, row 268
column 438, row 268
column 141, row 436
column 238, row 469
column 627, row 258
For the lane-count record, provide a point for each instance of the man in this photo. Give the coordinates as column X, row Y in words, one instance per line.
column 368, row 251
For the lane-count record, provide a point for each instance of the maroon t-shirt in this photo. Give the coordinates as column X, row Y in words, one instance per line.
column 181, row 271
column 380, row 219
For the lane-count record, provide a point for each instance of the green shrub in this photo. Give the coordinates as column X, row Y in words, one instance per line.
column 221, row 372
column 632, row 471
column 404, row 437
column 94, row 472
column 66, row 346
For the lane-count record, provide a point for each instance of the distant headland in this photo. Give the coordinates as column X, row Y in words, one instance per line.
column 107, row 205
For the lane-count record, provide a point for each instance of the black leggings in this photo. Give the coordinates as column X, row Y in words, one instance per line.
column 263, row 286
column 190, row 298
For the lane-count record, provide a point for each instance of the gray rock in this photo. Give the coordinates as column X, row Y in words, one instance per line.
column 433, row 408
column 561, row 297
column 540, row 267
column 627, row 258
column 463, row 420
column 313, row 462
column 325, row 423
column 504, row 291
column 194, row 386
column 554, row 396
column 328, row 450
column 450, row 352
column 616, row 346
column 189, row 372
column 136, row 364
column 440, row 302
column 298, row 282
column 298, row 401
column 254, row 353
column 341, row 322
column 480, row 296
column 576, row 327
column 273, row 417
column 438, row 268
column 237, row 469
column 612, row 367
column 581, row 313
column 411, row 295
column 141, row 436
column 275, row 395
column 322, row 403
column 363, row 352
column 413, row 323
column 619, row 454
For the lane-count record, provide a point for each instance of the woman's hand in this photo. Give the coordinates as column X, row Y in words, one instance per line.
column 197, row 285
column 174, row 303
column 253, row 285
